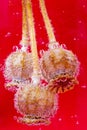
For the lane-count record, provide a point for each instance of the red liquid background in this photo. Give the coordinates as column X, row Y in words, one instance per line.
column 69, row 19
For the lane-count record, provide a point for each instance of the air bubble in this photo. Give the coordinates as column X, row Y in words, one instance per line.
column 17, row 34
column 74, row 116
column 84, row 86
column 79, row 21
column 15, row 48
column 63, row 46
column 15, row 117
column 40, row 28
column 63, row 11
column 24, row 48
column 53, row 45
column 60, row 119
column 8, row 34
column 84, row 6
column 17, row 13
column 41, row 52
column 74, row 38
column 1, row 67
column 42, row 42
column 77, row 122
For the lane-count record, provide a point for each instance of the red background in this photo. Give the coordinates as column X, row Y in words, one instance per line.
column 69, row 19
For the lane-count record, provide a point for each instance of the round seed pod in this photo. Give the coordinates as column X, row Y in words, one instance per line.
column 60, row 66
column 36, row 104
column 18, row 66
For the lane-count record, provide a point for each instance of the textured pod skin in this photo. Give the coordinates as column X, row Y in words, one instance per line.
column 60, row 65
column 18, row 66
column 36, row 104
